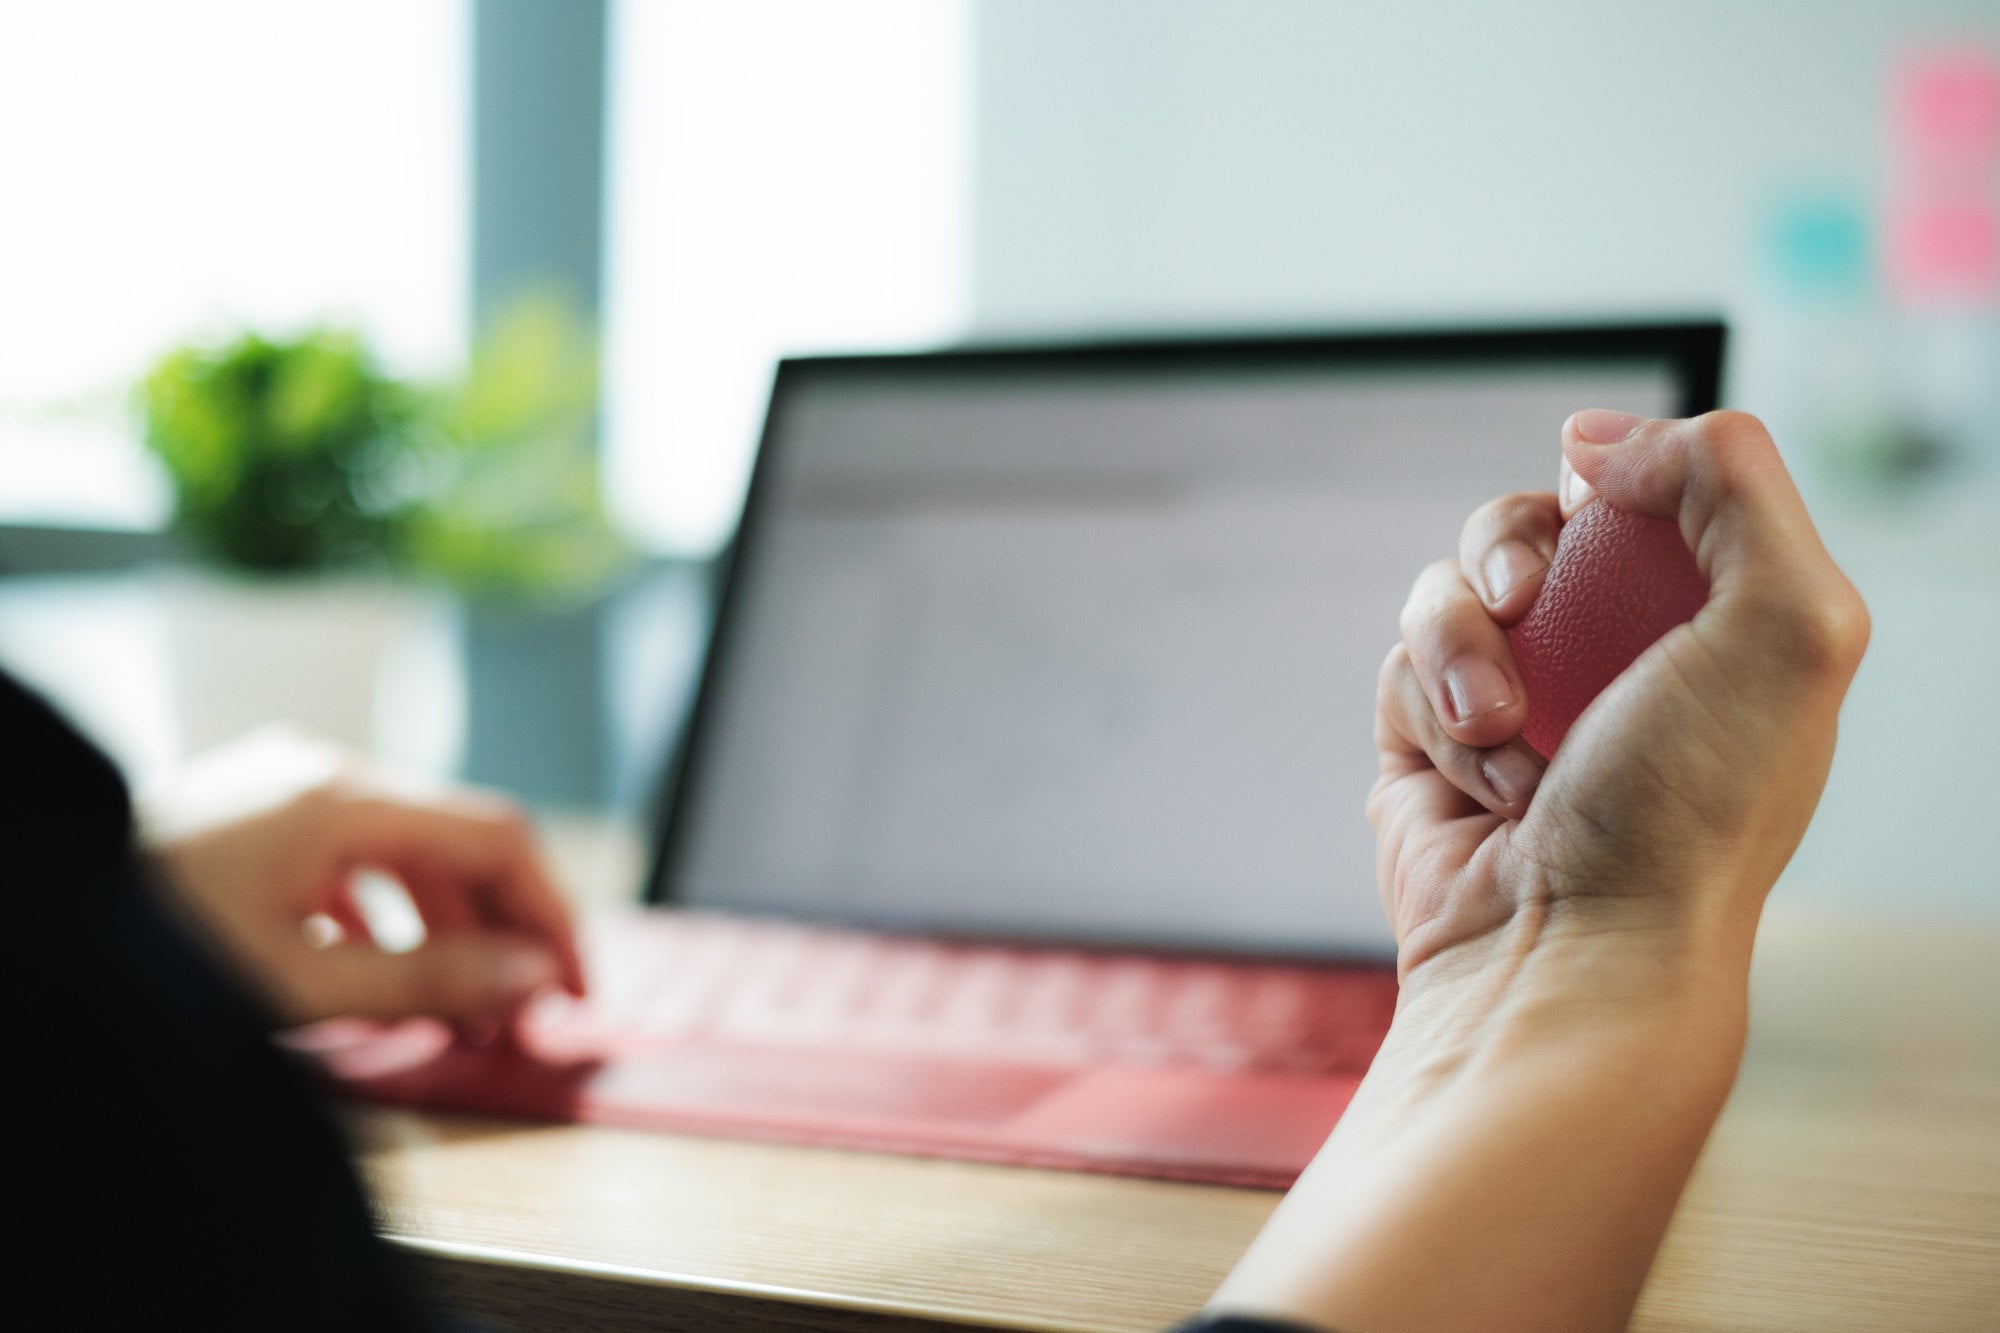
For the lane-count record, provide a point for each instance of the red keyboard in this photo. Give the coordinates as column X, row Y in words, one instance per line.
column 1185, row 1067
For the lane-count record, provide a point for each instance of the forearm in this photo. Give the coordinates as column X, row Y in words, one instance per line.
column 1518, row 1148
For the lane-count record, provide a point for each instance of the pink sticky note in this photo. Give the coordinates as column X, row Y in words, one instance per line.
column 1949, row 103
column 1945, row 251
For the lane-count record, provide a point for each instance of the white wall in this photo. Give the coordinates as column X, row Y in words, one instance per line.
column 1146, row 164
column 1150, row 161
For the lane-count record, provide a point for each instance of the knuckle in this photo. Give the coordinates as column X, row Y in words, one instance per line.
column 1492, row 515
column 1508, row 513
column 1733, row 442
column 325, row 799
column 1842, row 628
column 497, row 819
column 1426, row 609
column 1732, row 454
column 1731, row 429
column 1379, row 806
column 512, row 824
column 1389, row 674
column 1525, row 517
column 1372, row 809
column 1825, row 634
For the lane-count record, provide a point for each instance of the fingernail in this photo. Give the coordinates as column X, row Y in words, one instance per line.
column 516, row 971
column 1598, row 425
column 1476, row 687
column 1512, row 774
column 1509, row 565
column 1574, row 490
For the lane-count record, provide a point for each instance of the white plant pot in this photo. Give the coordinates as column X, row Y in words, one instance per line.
column 368, row 663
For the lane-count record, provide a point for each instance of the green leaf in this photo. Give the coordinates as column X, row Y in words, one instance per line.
column 300, row 454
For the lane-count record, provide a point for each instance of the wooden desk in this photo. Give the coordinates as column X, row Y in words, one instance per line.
column 1853, row 1183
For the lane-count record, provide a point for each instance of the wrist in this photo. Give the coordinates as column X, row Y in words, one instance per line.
column 1585, row 983
column 1554, row 1077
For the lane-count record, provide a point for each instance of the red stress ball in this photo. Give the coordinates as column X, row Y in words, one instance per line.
column 1619, row 581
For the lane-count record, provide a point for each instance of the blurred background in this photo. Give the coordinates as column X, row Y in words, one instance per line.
column 395, row 365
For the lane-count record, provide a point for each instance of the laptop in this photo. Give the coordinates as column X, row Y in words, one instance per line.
column 1019, row 812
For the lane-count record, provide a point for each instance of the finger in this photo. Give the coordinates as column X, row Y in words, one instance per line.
column 461, row 978
column 1780, row 613
column 1505, row 548
column 1501, row 778
column 331, row 902
column 1426, row 829
column 440, row 899
column 340, row 908
column 1463, row 659
column 482, row 848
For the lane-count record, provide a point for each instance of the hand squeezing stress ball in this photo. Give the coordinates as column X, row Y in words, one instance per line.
column 1700, row 761
column 1575, row 833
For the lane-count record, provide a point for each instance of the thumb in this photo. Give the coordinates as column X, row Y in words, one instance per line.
column 1781, row 617
column 457, row 976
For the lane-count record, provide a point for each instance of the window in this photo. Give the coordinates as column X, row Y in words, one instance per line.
column 178, row 170
column 784, row 176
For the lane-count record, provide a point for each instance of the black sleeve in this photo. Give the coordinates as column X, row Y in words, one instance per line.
column 175, row 1168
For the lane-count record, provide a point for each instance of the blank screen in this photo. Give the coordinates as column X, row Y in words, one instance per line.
column 1090, row 653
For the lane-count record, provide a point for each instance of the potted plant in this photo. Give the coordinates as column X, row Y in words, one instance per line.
column 326, row 505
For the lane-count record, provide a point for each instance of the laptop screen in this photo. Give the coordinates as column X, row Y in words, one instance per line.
column 1082, row 645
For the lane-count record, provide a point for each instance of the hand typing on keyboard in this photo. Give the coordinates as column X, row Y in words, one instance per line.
column 262, row 842
column 1575, row 938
